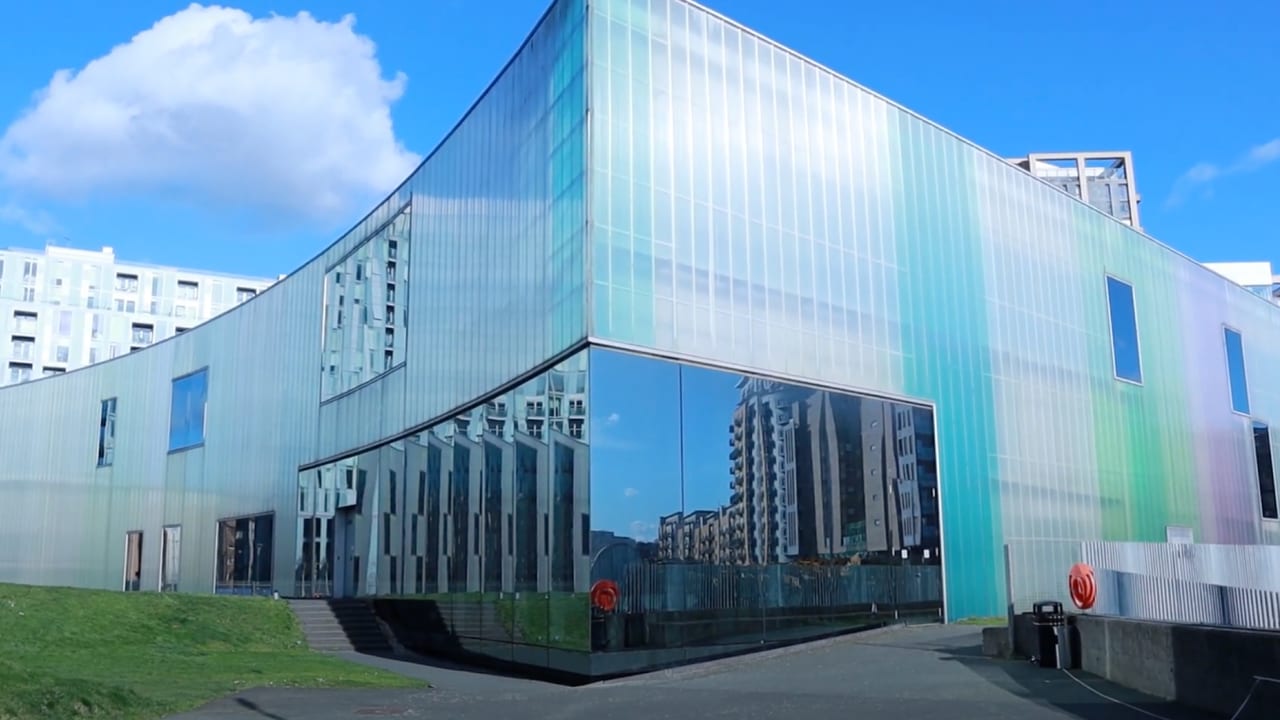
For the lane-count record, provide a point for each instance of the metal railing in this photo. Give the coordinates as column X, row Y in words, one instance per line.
column 1227, row 585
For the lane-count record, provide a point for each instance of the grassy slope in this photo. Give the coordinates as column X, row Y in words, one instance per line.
column 84, row 653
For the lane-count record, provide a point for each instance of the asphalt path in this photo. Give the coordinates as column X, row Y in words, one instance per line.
column 895, row 674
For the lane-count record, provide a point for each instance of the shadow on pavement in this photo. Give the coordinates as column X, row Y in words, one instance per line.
column 250, row 705
column 1076, row 692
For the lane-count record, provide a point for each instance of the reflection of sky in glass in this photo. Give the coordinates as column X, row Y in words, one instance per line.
column 186, row 410
column 1124, row 330
column 636, row 441
column 1235, row 371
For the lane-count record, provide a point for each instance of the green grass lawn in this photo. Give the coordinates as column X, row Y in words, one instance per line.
column 86, row 653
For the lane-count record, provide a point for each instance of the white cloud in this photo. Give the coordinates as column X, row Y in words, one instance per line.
column 613, row 419
column 1201, row 175
column 644, row 531
column 36, row 222
column 630, row 492
column 289, row 116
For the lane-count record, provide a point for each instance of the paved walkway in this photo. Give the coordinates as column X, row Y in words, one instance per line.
column 931, row 671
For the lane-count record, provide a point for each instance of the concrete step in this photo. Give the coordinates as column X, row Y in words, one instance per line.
column 339, row 625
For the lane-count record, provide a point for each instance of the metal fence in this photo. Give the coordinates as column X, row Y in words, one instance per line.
column 1150, row 597
column 1229, row 585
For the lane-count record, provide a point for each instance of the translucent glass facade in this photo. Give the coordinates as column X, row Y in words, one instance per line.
column 751, row 208
column 678, row 344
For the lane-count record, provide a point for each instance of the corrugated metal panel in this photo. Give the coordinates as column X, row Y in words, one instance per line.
column 1242, row 566
column 1166, row 599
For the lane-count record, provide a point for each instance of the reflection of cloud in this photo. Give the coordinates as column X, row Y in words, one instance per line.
column 1202, row 175
column 602, row 437
column 631, row 492
column 644, row 531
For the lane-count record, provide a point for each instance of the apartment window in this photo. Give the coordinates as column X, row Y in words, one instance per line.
column 62, row 354
column 28, row 294
column 243, row 294
column 93, row 355
column 25, row 322
column 143, row 334
column 64, row 323
column 1266, row 471
column 24, row 348
column 19, row 372
column 29, row 270
column 1127, row 358
column 155, row 286
column 1, row 267
column 107, row 433
column 126, row 283
column 97, row 327
column 187, row 408
column 188, row 290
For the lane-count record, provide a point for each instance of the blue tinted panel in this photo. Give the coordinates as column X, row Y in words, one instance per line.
column 1124, row 331
column 1235, row 371
column 187, row 410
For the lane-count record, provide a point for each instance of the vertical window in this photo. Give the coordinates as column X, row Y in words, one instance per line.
column 188, row 404
column 1235, row 371
column 1266, row 471
column 1125, row 354
column 107, row 433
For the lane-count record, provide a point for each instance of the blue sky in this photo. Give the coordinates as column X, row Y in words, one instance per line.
column 1185, row 85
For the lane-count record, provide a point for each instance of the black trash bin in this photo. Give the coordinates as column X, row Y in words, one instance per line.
column 1050, row 623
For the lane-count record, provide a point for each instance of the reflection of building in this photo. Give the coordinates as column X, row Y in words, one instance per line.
column 415, row 415
column 64, row 309
column 816, row 475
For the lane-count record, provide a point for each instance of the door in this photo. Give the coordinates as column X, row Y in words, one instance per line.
column 133, row 561
column 170, row 558
column 346, row 564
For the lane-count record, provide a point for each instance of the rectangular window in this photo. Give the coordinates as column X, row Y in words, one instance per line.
column 1235, row 371
column 64, row 323
column 1266, row 471
column 245, row 294
column 1124, row 331
column 188, row 290
column 188, row 405
column 62, row 354
column 126, row 283
column 107, row 433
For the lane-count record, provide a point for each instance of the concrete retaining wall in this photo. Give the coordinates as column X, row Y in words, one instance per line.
column 1205, row 667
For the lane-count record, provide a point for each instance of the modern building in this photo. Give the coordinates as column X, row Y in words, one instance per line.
column 679, row 344
column 1102, row 179
column 1256, row 277
column 66, row 308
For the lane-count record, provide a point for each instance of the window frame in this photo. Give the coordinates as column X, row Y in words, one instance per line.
column 1111, row 331
column 1274, row 517
column 204, row 420
column 1244, row 368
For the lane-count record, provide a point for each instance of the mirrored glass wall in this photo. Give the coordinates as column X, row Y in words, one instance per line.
column 473, row 534
column 365, row 300
column 724, row 511
column 730, row 511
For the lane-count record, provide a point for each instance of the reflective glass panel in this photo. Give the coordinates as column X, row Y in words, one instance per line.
column 188, row 403
column 1235, row 371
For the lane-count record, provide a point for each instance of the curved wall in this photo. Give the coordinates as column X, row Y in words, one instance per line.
column 496, row 289
column 761, row 212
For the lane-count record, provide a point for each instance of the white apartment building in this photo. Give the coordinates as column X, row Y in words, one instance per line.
column 63, row 308
column 1256, row 277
